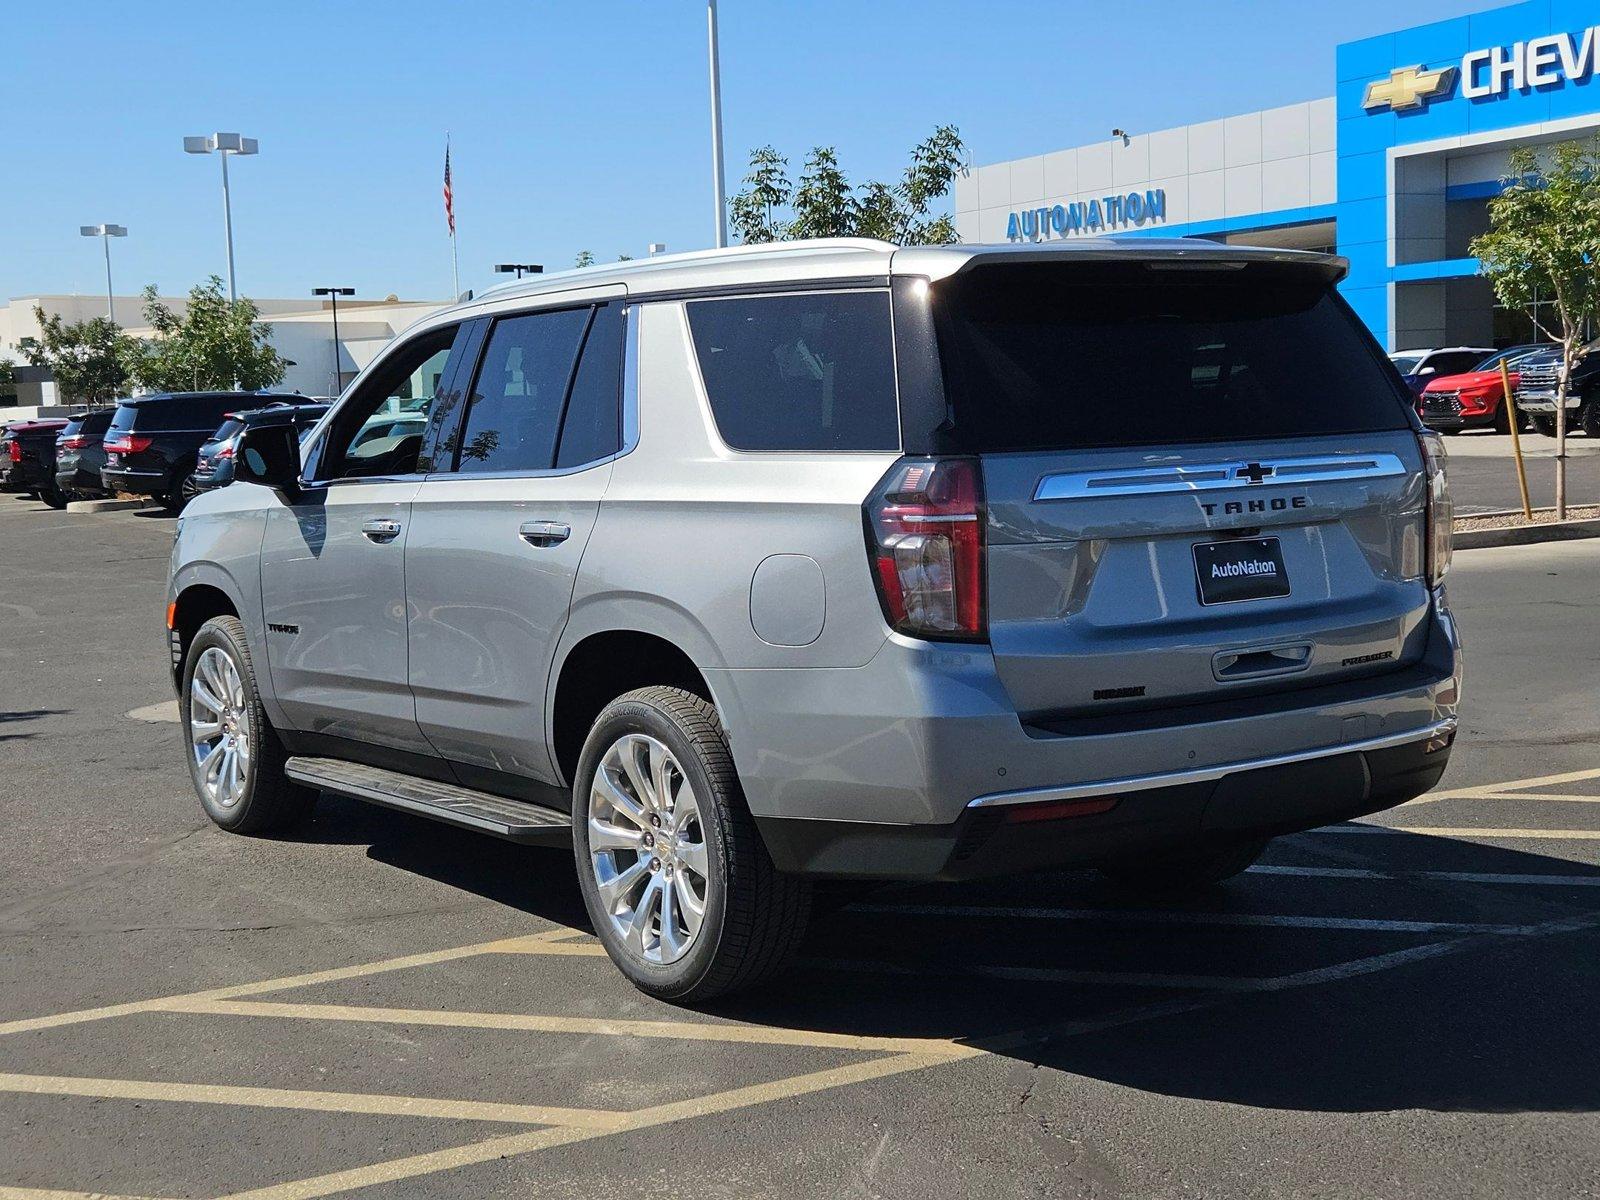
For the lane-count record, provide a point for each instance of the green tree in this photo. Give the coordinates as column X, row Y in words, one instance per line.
column 585, row 259
column 826, row 204
column 1543, row 245
column 85, row 358
column 8, row 381
column 216, row 344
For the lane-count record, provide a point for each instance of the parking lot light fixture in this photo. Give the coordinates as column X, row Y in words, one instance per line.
column 333, row 294
column 224, row 145
column 105, row 233
column 521, row 269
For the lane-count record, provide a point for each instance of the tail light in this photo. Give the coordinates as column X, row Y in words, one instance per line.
column 76, row 442
column 225, row 450
column 1440, row 512
column 127, row 443
column 14, row 451
column 925, row 538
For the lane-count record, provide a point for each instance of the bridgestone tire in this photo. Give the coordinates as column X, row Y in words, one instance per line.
column 1186, row 872
column 754, row 917
column 270, row 800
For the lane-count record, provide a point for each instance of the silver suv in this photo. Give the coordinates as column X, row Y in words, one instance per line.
column 826, row 561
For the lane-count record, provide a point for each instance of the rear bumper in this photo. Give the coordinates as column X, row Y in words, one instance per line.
column 999, row 835
column 886, row 770
column 136, row 483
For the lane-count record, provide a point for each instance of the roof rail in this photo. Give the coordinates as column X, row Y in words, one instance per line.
column 800, row 246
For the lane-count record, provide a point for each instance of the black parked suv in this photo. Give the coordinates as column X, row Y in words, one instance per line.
column 81, row 452
column 28, row 459
column 153, row 440
column 214, row 466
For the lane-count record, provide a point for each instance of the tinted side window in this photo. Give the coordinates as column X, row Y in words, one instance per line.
column 799, row 372
column 592, row 429
column 516, row 402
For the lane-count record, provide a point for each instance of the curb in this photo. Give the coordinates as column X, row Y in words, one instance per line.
column 96, row 506
column 1525, row 535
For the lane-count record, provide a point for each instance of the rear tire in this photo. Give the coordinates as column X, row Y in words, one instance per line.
column 234, row 755
column 676, row 879
column 54, row 497
column 176, row 498
column 1187, row 872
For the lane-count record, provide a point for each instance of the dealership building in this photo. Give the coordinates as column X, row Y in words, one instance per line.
column 1394, row 171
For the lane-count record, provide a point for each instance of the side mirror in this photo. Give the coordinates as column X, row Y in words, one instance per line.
column 269, row 455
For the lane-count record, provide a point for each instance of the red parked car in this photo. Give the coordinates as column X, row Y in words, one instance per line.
column 1476, row 399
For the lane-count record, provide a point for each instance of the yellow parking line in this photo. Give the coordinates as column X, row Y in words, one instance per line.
column 503, row 1147
column 699, row 1031
column 1510, row 785
column 332, row 975
column 1562, row 796
column 333, row 1102
column 1469, row 831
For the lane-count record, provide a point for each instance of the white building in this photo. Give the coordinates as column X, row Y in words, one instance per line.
column 302, row 331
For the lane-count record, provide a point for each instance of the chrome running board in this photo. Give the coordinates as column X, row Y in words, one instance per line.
column 514, row 820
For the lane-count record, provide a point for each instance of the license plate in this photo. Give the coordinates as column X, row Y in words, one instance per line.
column 1248, row 569
column 113, row 459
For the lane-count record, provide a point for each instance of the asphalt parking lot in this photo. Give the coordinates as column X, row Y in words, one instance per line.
column 380, row 1006
column 1483, row 475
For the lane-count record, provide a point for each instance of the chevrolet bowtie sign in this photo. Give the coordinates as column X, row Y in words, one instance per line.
column 1407, row 88
column 1541, row 62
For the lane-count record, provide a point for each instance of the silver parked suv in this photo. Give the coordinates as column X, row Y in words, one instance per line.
column 831, row 560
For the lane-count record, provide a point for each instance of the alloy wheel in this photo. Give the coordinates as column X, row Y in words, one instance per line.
column 219, row 727
column 647, row 849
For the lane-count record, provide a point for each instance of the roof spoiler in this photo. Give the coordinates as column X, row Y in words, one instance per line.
column 1164, row 253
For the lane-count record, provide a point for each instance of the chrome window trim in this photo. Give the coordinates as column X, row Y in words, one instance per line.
column 1144, row 783
column 1147, row 481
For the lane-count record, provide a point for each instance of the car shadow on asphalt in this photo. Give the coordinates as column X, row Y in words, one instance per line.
column 1492, row 1006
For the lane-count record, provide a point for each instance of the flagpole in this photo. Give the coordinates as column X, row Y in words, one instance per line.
column 455, row 267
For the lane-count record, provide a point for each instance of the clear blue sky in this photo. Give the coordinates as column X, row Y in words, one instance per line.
column 576, row 124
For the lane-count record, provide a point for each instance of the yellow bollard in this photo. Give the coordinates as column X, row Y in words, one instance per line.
column 1516, row 439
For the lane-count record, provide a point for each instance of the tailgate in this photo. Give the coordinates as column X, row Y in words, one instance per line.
column 1223, row 570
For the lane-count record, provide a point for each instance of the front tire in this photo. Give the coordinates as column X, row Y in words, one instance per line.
column 1186, row 872
column 677, row 882
column 1543, row 423
column 235, row 757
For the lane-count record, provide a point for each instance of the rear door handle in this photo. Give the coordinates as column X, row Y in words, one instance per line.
column 544, row 533
column 380, row 531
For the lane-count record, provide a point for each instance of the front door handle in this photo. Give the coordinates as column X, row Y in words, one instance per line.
column 380, row 531
column 544, row 533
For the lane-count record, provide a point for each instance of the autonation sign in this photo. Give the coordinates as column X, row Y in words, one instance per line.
column 1088, row 216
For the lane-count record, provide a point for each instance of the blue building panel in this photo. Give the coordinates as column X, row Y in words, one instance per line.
column 1474, row 78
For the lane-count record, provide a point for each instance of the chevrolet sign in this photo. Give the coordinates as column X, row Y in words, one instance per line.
column 1539, row 62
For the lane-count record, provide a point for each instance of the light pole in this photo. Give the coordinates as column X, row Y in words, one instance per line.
column 716, row 124
column 224, row 144
column 333, row 294
column 105, row 233
column 520, row 268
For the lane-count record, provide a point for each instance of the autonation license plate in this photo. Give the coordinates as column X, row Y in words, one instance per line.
column 1249, row 569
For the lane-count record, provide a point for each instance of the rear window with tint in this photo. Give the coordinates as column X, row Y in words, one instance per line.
column 1059, row 356
column 227, row 429
column 191, row 413
column 812, row 371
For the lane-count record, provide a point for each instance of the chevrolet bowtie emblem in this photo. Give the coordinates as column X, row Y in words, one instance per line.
column 1408, row 87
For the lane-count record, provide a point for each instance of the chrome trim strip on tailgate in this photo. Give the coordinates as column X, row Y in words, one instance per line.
column 1143, row 783
column 1144, row 481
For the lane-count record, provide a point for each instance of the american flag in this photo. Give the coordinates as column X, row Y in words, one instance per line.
column 449, row 198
